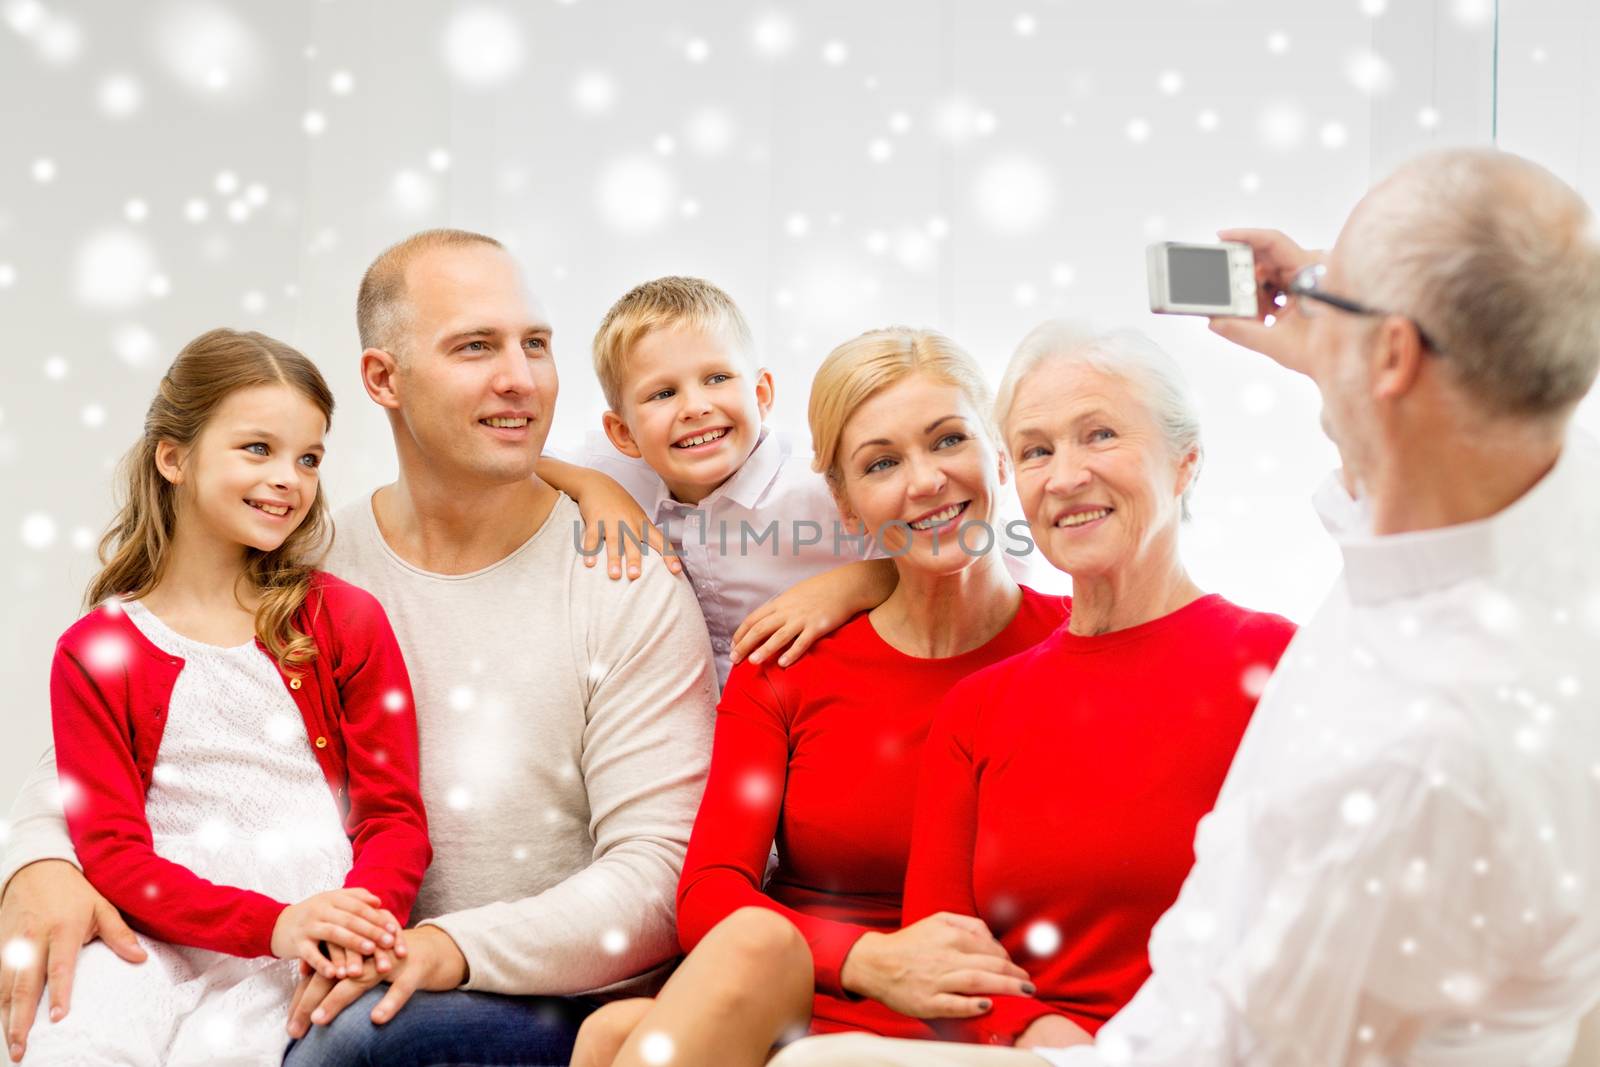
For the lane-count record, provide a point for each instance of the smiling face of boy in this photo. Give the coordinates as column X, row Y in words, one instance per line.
column 691, row 407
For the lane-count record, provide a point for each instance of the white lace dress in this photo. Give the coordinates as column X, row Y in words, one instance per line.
column 238, row 798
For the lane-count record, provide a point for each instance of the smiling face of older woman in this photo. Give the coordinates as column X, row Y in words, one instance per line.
column 1097, row 478
column 917, row 464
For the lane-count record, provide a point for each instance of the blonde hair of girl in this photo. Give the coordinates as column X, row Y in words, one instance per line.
column 136, row 547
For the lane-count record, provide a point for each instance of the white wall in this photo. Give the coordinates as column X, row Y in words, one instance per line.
column 835, row 165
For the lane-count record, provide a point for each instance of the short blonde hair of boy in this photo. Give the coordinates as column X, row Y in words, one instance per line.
column 865, row 365
column 660, row 304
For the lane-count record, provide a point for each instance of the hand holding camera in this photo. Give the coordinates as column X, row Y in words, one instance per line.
column 1212, row 280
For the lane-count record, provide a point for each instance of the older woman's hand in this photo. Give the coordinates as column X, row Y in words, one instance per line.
column 943, row 967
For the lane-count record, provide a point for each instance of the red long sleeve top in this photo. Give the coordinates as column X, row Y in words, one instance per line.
column 109, row 689
column 1060, row 793
column 822, row 757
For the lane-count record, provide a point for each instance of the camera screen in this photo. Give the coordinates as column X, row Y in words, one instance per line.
column 1198, row 276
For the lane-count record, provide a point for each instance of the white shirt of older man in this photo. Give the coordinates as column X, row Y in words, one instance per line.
column 1403, row 866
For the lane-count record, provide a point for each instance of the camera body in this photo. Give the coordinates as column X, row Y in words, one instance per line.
column 1202, row 279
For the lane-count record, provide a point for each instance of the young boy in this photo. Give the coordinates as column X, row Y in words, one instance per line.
column 737, row 501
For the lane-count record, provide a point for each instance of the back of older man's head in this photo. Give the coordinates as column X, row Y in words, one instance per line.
column 1498, row 261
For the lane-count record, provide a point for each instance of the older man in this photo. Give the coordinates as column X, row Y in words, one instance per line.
column 1402, row 867
column 564, row 718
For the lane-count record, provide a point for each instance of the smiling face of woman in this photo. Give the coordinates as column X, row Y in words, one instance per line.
column 918, row 470
column 1098, row 481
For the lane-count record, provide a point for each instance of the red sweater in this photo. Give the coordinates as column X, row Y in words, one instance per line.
column 109, row 689
column 1060, row 793
column 822, row 757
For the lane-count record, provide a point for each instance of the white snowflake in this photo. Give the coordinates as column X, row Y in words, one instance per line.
column 594, row 93
column 207, row 48
column 1282, row 126
column 1368, row 71
column 133, row 344
column 412, row 192
column 19, row 954
column 119, row 96
column 656, row 1048
column 772, row 34
column 635, row 194
column 38, row 531
column 1013, row 193
column 214, row 835
column 482, row 47
column 1042, row 938
column 1358, row 808
column 709, row 131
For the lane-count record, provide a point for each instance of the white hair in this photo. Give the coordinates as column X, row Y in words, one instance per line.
column 1498, row 261
column 1125, row 354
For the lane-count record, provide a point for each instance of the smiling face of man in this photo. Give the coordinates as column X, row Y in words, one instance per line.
column 474, row 382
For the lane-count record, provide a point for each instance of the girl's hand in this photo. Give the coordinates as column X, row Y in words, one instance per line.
column 810, row 609
column 348, row 963
column 943, row 967
column 346, row 918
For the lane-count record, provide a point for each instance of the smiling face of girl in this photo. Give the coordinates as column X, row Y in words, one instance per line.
column 252, row 474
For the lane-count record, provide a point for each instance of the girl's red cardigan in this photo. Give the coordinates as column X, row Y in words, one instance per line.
column 109, row 689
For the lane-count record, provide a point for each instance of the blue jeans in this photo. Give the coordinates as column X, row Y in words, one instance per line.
column 457, row 1028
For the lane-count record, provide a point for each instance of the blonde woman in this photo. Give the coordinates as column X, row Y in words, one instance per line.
column 821, row 757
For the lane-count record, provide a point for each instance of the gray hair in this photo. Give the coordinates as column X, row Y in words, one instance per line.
column 1498, row 261
column 1125, row 354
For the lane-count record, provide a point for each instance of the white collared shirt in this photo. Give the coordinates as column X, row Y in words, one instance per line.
column 770, row 525
column 1403, row 866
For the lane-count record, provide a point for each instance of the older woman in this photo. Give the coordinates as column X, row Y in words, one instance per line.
column 822, row 757
column 1061, row 789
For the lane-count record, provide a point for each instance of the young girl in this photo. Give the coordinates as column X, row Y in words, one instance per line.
column 234, row 733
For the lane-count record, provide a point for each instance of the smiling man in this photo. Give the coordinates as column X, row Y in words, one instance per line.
column 564, row 718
